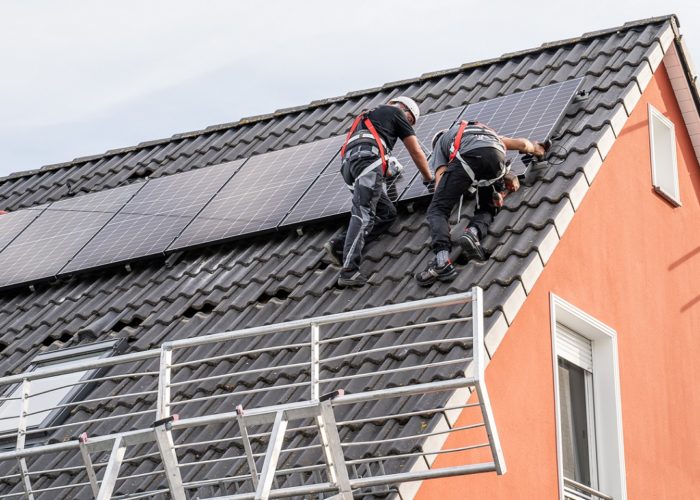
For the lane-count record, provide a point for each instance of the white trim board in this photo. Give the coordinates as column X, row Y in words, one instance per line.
column 681, row 88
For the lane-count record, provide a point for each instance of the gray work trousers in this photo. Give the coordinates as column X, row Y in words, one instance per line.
column 372, row 211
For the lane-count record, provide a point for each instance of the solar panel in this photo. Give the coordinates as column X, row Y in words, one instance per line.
column 154, row 217
column 532, row 114
column 13, row 223
column 328, row 196
column 47, row 244
column 261, row 194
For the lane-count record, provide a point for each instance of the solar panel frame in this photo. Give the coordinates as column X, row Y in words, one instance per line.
column 277, row 180
column 57, row 233
column 184, row 194
column 125, row 237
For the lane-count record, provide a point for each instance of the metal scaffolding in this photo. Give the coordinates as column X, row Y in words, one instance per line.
column 438, row 403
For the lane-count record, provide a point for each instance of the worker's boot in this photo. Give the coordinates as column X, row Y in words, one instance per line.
column 471, row 246
column 334, row 251
column 351, row 278
column 434, row 273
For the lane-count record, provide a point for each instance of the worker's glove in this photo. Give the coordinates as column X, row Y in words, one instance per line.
column 511, row 183
column 498, row 199
column 429, row 185
column 393, row 167
column 540, row 149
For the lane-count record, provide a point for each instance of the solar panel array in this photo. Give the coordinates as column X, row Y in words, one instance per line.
column 246, row 196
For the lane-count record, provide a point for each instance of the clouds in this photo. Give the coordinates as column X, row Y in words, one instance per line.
column 81, row 77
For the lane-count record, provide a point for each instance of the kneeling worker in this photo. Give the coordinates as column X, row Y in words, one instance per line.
column 364, row 168
column 472, row 159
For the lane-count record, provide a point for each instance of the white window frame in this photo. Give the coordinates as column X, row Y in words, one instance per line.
column 99, row 350
column 609, row 440
column 655, row 116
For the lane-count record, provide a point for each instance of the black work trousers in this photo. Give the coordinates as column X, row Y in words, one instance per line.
column 455, row 182
column 372, row 211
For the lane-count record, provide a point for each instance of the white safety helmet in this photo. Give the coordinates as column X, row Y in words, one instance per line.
column 436, row 138
column 410, row 104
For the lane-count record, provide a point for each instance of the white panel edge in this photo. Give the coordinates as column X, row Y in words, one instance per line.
column 546, row 248
column 606, row 141
column 563, row 218
column 514, row 302
column 592, row 166
column 496, row 334
column 578, row 190
column 531, row 272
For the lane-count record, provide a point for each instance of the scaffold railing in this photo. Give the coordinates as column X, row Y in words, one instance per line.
column 335, row 404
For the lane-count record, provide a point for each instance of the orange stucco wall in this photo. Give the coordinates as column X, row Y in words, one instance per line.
column 632, row 261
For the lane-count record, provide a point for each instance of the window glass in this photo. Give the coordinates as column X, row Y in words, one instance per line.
column 575, row 409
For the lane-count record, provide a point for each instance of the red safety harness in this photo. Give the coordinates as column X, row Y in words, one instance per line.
column 367, row 123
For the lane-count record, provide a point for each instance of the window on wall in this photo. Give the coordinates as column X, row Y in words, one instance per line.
column 664, row 168
column 577, row 408
column 49, row 393
column 588, row 406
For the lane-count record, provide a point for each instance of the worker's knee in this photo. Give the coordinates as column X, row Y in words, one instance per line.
column 362, row 197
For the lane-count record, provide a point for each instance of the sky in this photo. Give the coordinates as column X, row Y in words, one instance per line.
column 78, row 78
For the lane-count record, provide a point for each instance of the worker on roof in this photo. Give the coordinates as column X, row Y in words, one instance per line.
column 365, row 166
column 469, row 157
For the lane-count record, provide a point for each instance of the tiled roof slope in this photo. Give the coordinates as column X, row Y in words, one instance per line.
column 282, row 276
